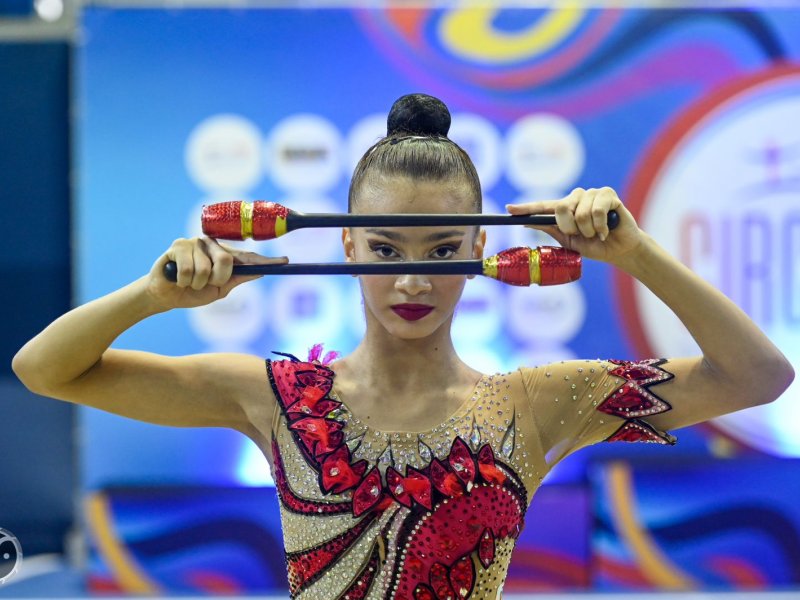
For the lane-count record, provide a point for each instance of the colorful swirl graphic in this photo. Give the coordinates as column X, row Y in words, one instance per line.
column 475, row 34
column 575, row 62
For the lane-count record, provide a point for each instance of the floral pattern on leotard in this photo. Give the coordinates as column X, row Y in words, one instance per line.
column 432, row 532
column 463, row 480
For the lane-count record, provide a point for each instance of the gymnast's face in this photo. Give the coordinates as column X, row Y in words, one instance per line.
column 412, row 306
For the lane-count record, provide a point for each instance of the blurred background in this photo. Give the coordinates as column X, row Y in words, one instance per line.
column 119, row 120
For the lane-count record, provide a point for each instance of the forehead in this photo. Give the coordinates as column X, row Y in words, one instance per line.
column 404, row 195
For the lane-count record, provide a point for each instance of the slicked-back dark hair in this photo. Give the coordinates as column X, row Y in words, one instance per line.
column 416, row 147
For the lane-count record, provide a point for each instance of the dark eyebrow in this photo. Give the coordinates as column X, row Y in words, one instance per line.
column 399, row 237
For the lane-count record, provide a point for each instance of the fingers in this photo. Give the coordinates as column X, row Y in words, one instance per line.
column 238, row 257
column 565, row 213
column 202, row 266
column 182, row 253
column 203, row 261
column 583, row 213
column 563, row 210
column 252, row 258
column 249, row 258
column 222, row 261
column 533, row 208
column 606, row 201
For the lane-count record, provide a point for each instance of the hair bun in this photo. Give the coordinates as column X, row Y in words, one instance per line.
column 418, row 114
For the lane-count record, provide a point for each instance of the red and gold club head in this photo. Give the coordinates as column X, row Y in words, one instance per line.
column 546, row 265
column 240, row 220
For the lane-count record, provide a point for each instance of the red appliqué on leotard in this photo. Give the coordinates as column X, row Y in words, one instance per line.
column 633, row 399
column 455, row 508
column 435, row 540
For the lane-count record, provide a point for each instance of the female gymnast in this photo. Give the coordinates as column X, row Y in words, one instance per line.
column 403, row 472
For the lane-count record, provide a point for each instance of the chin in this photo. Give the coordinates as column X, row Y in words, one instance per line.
column 413, row 330
column 411, row 335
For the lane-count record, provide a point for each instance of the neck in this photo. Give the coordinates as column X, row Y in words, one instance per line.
column 398, row 364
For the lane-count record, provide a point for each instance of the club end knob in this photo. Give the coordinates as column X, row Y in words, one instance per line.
column 171, row 271
column 612, row 219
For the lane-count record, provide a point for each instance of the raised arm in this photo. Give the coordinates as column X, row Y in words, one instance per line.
column 739, row 367
column 71, row 359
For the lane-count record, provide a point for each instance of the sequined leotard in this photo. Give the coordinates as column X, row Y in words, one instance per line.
column 435, row 515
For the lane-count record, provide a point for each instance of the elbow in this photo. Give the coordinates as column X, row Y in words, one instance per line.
column 787, row 375
column 22, row 369
column 758, row 382
column 28, row 372
column 776, row 377
column 20, row 366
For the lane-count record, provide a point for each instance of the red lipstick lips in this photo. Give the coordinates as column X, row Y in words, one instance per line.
column 412, row 312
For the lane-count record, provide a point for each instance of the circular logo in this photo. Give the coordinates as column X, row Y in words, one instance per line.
column 223, row 154
column 547, row 315
column 544, row 153
column 230, row 324
column 304, row 153
column 10, row 555
column 306, row 308
column 719, row 192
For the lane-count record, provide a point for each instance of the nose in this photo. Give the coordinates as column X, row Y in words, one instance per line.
column 413, row 285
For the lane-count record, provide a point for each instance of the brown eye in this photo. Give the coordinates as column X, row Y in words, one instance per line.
column 383, row 251
column 445, row 251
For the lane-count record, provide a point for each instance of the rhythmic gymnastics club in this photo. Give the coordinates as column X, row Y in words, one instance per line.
column 545, row 265
column 261, row 220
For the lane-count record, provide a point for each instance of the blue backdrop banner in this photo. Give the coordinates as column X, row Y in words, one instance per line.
column 690, row 115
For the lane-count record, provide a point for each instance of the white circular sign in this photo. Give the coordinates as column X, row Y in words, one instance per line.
column 549, row 315
column 544, row 152
column 233, row 322
column 223, row 154
column 724, row 200
column 306, row 308
column 304, row 153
